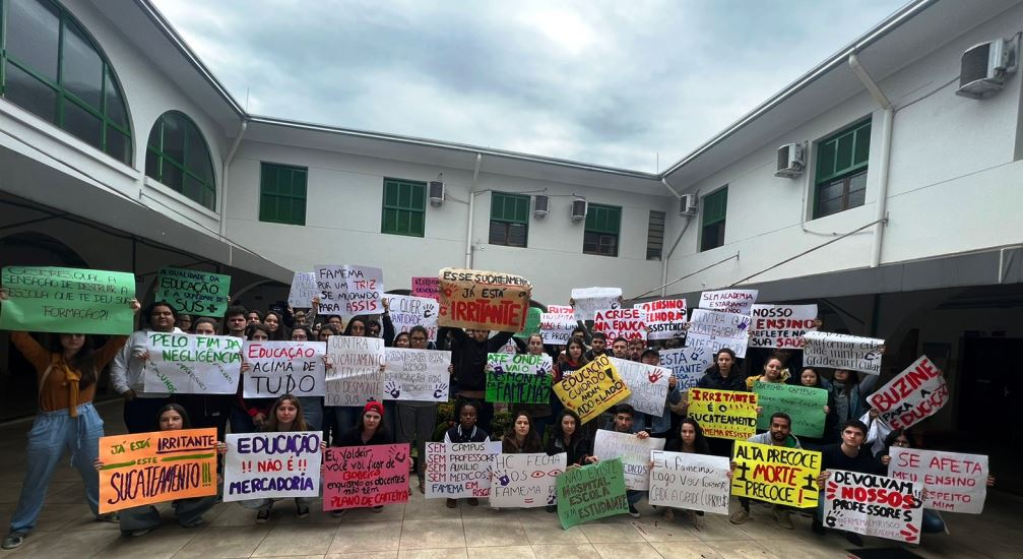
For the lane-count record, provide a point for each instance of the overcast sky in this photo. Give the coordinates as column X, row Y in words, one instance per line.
column 612, row 83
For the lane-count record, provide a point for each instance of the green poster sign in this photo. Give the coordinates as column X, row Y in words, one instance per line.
column 804, row 404
column 532, row 324
column 70, row 300
column 513, row 388
column 194, row 292
column 591, row 492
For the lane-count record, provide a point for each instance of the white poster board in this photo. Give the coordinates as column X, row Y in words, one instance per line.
column 457, row 470
column 955, row 482
column 781, row 326
column 634, row 452
column 690, row 481
column 349, row 290
column 842, row 351
column 588, row 300
column 191, row 364
column 713, row 330
column 416, row 375
column 648, row 383
column 407, row 312
column 739, row 301
column 525, row 480
column 272, row 465
column 688, row 364
column 278, row 368
column 303, row 290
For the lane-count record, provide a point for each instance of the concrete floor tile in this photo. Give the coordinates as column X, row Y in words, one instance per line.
column 233, row 514
column 548, row 531
column 161, row 543
column 432, row 534
column 311, row 539
column 685, row 550
column 564, row 551
column 450, row 553
column 70, row 544
column 659, row 530
column 805, row 548
column 494, row 532
column 513, row 552
column 390, row 513
column 369, row 555
column 223, row 542
column 630, row 550
column 716, row 527
column 359, row 537
column 746, row 549
column 611, row 532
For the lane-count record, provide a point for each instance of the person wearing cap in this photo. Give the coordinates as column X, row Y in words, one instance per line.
column 659, row 427
column 369, row 431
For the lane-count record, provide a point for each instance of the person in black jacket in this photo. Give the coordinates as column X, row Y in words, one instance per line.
column 469, row 378
column 723, row 374
column 466, row 431
column 569, row 438
column 369, row 431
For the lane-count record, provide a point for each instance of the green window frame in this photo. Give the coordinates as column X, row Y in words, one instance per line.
column 603, row 230
column 841, row 174
column 509, row 219
column 404, row 208
column 178, row 156
column 282, row 193
column 715, row 211
column 51, row 81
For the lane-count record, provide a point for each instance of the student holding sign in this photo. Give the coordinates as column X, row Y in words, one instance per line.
column 850, row 393
column 369, row 431
column 622, row 423
column 540, row 413
column 849, row 455
column 417, row 420
column 810, row 378
column 129, row 366
column 67, row 374
column 774, row 372
column 690, row 440
column 466, row 431
column 251, row 413
column 779, row 435
column 724, row 374
column 469, row 358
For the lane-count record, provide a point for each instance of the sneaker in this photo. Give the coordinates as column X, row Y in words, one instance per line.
column 739, row 517
column 781, row 516
column 854, row 539
column 422, row 485
column 552, row 508
column 338, row 513
column 452, row 503
column 473, row 502
column 633, row 512
column 13, row 540
column 817, row 527
column 140, row 533
column 302, row 511
column 262, row 516
column 378, row 509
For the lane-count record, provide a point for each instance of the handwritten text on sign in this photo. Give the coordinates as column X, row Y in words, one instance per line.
column 724, row 414
column 776, row 474
column 634, row 453
column 781, row 326
column 303, row 290
column 804, row 404
column 525, row 480
column 191, row 364
column 665, row 319
column 955, row 482
column 842, row 351
column 67, row 300
column 354, row 356
column 591, row 390
column 151, row 468
column 687, row 364
column 621, row 323
column 914, row 395
column 873, row 506
column 272, row 465
column 427, row 287
column 365, row 476
column 588, row 300
column 591, row 492
column 416, row 375
column 556, row 328
column 714, row 330
column 738, row 301
column 518, row 378
column 455, row 470
column 647, row 383
column 278, row 368
column 483, row 300
column 350, row 290
column 407, row 312
column 689, row 481
column 193, row 291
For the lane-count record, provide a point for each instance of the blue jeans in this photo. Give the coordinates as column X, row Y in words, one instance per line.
column 53, row 432
column 634, row 496
column 188, row 511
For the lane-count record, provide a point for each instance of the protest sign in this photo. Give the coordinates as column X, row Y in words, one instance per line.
column 776, row 474
column 556, row 328
column 688, row 364
column 714, row 330
column 842, row 351
column 665, row 319
column 955, row 482
column 525, row 480
column 532, row 323
column 518, row 378
column 350, row 290
column 804, row 404
column 192, row 364
column 634, row 453
column 354, row 375
column 592, row 389
column 272, row 465
column 912, row 396
column 560, row 309
column 724, row 414
column 416, row 375
column 781, row 326
column 689, row 481
column 456, row 470
column 278, row 368
column 484, row 300
column 625, row 323
column 193, row 291
column 647, row 383
column 148, row 468
column 591, row 492
column 303, row 290
column 407, row 312
column 873, row 506
column 427, row 287
column 46, row 299
column 355, row 391
column 738, row 301
column 587, row 301
column 365, row 476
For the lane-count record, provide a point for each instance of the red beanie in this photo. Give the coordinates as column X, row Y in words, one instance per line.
column 374, row 406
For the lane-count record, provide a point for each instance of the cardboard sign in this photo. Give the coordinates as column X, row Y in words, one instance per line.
column 526, row 480
column 688, row 364
column 738, row 301
column 365, row 476
column 350, row 290
column 873, row 506
column 407, row 312
column 456, row 470
column 591, row 390
column 278, row 368
column 148, row 468
column 587, row 301
column 518, row 379
column 192, row 364
column 591, row 492
column 416, row 375
column 955, row 482
column 724, row 414
column 193, row 291
column 272, row 465
column 45, row 299
column 776, row 474
column 689, row 481
column 626, row 323
column 426, row 287
column 781, row 326
column 665, row 319
column 914, row 395
column 556, row 328
column 714, row 330
column 647, row 383
column 804, row 404
column 842, row 351
column 561, row 309
column 634, row 453
column 484, row 300
column 303, row 290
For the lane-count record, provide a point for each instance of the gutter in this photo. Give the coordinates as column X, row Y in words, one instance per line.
column 472, row 205
column 887, row 118
column 224, row 176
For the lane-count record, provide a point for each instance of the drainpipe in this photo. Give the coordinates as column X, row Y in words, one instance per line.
column 472, row 205
column 224, row 175
column 664, row 264
column 887, row 116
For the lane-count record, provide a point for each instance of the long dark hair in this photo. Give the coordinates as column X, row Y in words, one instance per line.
column 582, row 354
column 84, row 361
column 714, row 367
column 560, row 435
column 532, row 441
column 186, row 423
column 700, row 444
column 381, row 429
column 298, row 425
column 282, row 333
column 251, row 329
column 360, row 318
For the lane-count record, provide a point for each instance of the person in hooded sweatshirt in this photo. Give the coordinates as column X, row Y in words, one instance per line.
column 780, row 434
column 774, row 372
column 722, row 375
column 469, row 360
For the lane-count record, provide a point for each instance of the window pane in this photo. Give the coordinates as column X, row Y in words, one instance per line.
column 416, row 224
column 152, row 164
column 118, row 145
column 196, row 154
column 419, row 197
column 83, row 125
column 831, row 190
column 388, row 221
column 192, row 189
column 498, row 233
column 115, row 104
column 174, row 137
column 172, row 176
column 856, row 198
column 858, row 182
column 31, row 94
column 33, row 35
column 590, row 242
column 517, row 235
column 843, row 155
column 862, row 150
column 828, row 207
column 390, row 194
column 83, row 68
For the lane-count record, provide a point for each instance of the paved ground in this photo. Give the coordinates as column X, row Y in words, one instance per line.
column 427, row 529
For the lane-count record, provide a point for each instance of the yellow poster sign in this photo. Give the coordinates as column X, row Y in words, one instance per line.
column 148, row 468
column 724, row 414
column 776, row 474
column 592, row 389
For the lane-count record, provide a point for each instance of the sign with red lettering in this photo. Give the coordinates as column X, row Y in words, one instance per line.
column 350, row 290
column 665, row 319
column 484, row 300
column 776, row 474
column 365, row 476
column 556, row 328
column 914, row 395
column 428, row 287
column 873, row 506
column 626, row 323
column 713, row 330
column 738, row 301
column 955, row 482
column 278, row 368
column 724, row 414
column 560, row 309
column 781, row 326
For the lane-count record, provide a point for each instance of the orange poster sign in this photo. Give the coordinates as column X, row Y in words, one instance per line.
column 483, row 300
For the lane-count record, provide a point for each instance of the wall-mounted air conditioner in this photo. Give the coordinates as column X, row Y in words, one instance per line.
column 541, row 205
column 790, row 161
column 578, row 209
column 983, row 67
column 687, row 205
column 436, row 192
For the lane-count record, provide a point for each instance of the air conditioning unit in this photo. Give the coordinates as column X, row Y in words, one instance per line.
column 578, row 209
column 687, row 205
column 790, row 161
column 541, row 205
column 983, row 68
column 436, row 192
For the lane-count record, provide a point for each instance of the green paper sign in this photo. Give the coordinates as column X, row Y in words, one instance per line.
column 591, row 492
column 70, row 300
column 532, row 324
column 518, row 389
column 194, row 292
column 804, row 404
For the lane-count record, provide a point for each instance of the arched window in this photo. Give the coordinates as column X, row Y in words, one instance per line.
column 177, row 156
column 52, row 68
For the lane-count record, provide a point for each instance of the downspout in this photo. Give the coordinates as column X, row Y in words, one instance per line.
column 224, row 175
column 887, row 117
column 472, row 205
column 664, row 264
